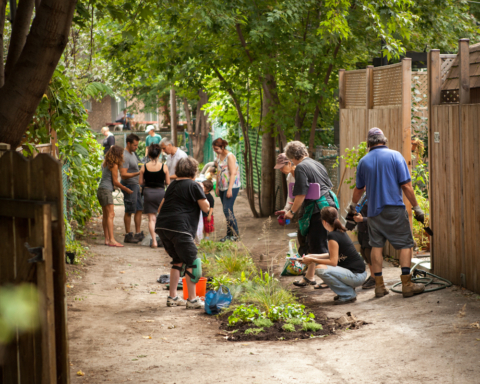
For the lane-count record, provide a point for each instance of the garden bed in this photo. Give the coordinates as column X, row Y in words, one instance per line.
column 276, row 332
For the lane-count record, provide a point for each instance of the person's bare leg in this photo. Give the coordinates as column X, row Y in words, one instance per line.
column 138, row 221
column 174, row 279
column 406, row 257
column 111, row 216
column 151, row 228
column 192, row 294
column 310, row 275
column 127, row 219
column 370, row 268
column 105, row 224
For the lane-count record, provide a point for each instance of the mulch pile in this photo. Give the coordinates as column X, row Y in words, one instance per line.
column 276, row 333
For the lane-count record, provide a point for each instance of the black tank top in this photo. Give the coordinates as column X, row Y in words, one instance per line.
column 154, row 179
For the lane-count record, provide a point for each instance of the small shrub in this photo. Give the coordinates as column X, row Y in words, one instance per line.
column 244, row 314
column 295, row 321
column 268, row 296
column 290, row 311
column 263, row 323
column 311, row 327
column 255, row 331
column 288, row 327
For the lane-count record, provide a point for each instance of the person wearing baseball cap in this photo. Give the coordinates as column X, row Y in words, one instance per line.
column 152, row 138
column 385, row 176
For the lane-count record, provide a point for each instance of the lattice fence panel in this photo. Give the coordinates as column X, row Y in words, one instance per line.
column 387, row 86
column 447, row 61
column 356, row 89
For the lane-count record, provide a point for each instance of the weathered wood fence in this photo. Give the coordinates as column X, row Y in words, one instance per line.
column 31, row 211
column 454, row 152
column 375, row 97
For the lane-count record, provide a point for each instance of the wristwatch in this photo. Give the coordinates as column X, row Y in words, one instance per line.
column 293, row 213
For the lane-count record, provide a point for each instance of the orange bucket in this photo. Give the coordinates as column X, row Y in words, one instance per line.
column 200, row 288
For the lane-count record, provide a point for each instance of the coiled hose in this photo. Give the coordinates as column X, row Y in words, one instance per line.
column 430, row 285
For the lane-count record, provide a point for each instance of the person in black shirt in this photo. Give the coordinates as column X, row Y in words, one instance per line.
column 177, row 224
column 208, row 223
column 342, row 268
column 109, row 140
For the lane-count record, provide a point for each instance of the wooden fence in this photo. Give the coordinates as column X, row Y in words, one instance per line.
column 31, row 210
column 454, row 167
column 375, row 97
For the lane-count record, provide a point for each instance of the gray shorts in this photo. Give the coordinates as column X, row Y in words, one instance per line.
column 133, row 202
column 391, row 224
column 104, row 197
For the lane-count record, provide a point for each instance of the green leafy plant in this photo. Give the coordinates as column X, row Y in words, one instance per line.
column 245, row 314
column 254, row 331
column 311, row 327
column 288, row 327
column 290, row 311
column 263, row 323
column 352, row 157
column 217, row 282
column 295, row 321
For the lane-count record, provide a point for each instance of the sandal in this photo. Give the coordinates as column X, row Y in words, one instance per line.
column 321, row 286
column 304, row 283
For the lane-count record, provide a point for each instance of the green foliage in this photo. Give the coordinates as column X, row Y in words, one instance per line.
column 290, row 311
column 287, row 327
column 352, row 157
column 19, row 309
column 295, row 321
column 217, row 282
column 263, row 323
column 254, row 331
column 284, row 312
column 419, row 235
column 311, row 327
column 62, row 110
column 245, row 314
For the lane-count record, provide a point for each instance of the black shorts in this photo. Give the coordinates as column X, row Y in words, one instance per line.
column 179, row 246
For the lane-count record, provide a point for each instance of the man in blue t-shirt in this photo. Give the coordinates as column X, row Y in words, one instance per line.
column 385, row 175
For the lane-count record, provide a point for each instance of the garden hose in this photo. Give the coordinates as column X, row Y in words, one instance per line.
column 427, row 281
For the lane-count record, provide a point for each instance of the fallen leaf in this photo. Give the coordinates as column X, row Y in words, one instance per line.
column 122, row 271
column 80, row 373
column 153, row 293
column 140, row 356
column 149, row 321
column 147, row 337
column 69, row 286
column 478, row 339
column 462, row 312
column 134, row 359
column 475, row 325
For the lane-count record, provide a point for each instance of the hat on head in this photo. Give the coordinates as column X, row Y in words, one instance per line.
column 374, row 132
column 149, row 128
column 282, row 160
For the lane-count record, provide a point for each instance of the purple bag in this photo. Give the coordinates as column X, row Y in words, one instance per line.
column 312, row 194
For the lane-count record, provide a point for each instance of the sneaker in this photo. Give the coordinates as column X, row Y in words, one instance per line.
column 341, row 302
column 175, row 302
column 195, row 304
column 224, row 239
column 130, row 238
column 140, row 236
column 369, row 283
column 233, row 238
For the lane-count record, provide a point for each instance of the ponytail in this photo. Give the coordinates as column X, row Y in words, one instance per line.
column 330, row 215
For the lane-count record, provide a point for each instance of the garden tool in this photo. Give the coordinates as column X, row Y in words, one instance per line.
column 428, row 230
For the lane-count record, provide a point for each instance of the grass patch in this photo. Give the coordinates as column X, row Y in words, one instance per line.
column 288, row 327
column 311, row 327
column 254, row 331
column 295, row 321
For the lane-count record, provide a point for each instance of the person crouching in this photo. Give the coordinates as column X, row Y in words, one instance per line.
column 342, row 268
column 176, row 226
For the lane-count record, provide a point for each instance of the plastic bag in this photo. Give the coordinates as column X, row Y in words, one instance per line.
column 215, row 301
column 293, row 267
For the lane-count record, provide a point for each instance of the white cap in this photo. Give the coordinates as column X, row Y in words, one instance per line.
column 149, row 128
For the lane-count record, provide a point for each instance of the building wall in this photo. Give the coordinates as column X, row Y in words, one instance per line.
column 100, row 113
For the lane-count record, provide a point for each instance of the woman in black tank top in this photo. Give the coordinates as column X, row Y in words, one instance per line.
column 153, row 176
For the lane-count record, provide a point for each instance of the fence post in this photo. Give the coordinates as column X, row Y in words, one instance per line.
column 173, row 116
column 369, row 98
column 341, row 88
column 464, row 64
column 406, row 116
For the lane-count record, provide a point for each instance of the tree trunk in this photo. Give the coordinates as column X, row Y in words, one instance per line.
column 164, row 110
column 173, row 119
column 29, row 78
column 268, row 162
column 186, row 108
column 269, row 87
column 3, row 6
column 21, row 26
column 247, row 153
column 201, row 127
column 311, row 142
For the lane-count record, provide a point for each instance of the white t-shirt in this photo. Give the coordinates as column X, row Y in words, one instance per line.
column 172, row 160
column 289, row 203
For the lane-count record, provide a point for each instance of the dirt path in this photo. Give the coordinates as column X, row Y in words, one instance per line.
column 115, row 306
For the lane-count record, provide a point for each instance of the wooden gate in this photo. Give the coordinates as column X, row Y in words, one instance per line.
column 375, row 97
column 31, row 211
column 454, row 143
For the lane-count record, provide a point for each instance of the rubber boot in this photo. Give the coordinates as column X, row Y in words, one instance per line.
column 408, row 288
column 380, row 289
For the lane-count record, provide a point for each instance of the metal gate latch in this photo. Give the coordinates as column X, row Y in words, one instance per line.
column 36, row 252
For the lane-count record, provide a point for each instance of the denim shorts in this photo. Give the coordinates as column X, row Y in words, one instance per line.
column 133, row 202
